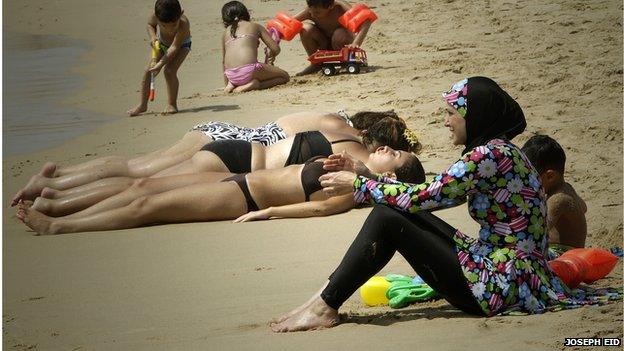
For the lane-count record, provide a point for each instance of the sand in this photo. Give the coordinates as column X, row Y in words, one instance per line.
column 216, row 285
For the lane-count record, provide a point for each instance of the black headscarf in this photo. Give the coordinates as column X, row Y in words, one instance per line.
column 490, row 113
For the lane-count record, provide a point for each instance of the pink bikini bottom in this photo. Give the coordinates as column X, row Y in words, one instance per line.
column 243, row 74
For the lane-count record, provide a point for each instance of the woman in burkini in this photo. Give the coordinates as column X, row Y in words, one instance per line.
column 503, row 270
column 293, row 191
column 119, row 169
column 241, row 69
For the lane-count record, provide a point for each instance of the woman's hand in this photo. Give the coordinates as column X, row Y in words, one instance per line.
column 253, row 216
column 345, row 162
column 337, row 183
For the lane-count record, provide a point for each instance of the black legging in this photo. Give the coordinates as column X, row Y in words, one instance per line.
column 422, row 238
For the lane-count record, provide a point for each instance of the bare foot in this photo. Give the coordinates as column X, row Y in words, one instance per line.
column 229, row 88
column 170, row 110
column 309, row 70
column 137, row 110
column 35, row 220
column 300, row 308
column 35, row 185
column 317, row 315
column 253, row 85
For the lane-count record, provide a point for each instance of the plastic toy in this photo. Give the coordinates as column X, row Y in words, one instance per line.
column 583, row 265
column 395, row 290
column 155, row 52
column 358, row 14
column 373, row 292
column 287, row 26
column 331, row 61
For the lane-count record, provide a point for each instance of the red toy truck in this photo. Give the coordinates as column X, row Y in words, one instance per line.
column 332, row 61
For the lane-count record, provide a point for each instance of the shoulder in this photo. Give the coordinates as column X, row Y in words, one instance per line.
column 185, row 24
column 343, row 6
column 561, row 203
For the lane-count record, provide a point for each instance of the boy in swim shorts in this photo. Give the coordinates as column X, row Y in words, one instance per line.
column 566, row 223
column 171, row 28
column 324, row 32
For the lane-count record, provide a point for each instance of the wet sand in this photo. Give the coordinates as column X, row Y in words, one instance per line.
column 37, row 78
column 216, row 285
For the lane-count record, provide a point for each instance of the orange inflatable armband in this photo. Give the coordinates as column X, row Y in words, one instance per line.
column 600, row 261
column 358, row 14
column 287, row 26
column 583, row 265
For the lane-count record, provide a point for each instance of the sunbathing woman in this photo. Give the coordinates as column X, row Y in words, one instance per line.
column 148, row 165
column 237, row 156
column 292, row 191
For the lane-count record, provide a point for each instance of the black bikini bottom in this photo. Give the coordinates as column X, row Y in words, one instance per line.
column 242, row 184
column 235, row 154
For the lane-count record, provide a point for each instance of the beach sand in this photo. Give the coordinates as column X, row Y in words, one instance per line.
column 216, row 285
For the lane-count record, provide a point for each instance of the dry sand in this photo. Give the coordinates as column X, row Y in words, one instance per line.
column 215, row 285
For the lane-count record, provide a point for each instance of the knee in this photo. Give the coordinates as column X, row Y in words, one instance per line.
column 169, row 72
column 307, row 31
column 43, row 205
column 141, row 183
column 382, row 212
column 140, row 206
column 340, row 38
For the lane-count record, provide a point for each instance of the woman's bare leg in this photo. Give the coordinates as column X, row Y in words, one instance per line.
column 179, row 152
column 80, row 200
column 120, row 183
column 149, row 186
column 200, row 202
column 202, row 161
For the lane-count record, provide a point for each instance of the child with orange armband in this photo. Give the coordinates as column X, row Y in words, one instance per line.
column 325, row 31
column 566, row 224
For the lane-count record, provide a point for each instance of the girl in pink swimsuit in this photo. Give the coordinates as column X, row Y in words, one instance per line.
column 241, row 69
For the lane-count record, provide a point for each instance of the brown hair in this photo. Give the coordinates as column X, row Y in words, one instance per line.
column 390, row 132
column 365, row 119
column 167, row 11
column 411, row 171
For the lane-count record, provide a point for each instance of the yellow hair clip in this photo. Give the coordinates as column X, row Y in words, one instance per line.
column 412, row 138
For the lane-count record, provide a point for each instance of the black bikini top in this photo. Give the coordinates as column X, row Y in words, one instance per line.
column 310, row 174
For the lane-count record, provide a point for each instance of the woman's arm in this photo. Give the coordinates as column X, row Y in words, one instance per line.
column 475, row 171
column 327, row 207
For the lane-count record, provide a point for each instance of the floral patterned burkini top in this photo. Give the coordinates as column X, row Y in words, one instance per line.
column 505, row 267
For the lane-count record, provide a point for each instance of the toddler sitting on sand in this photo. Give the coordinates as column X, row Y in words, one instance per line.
column 241, row 69
column 566, row 224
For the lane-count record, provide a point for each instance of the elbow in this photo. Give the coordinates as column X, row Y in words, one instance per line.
column 276, row 50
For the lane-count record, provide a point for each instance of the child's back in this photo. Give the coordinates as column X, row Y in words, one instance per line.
column 241, row 69
column 566, row 217
column 243, row 48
